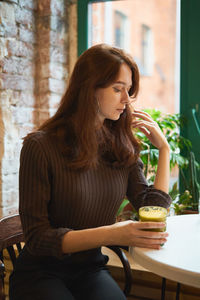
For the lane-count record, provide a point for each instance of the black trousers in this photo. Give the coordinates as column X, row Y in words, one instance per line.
column 77, row 277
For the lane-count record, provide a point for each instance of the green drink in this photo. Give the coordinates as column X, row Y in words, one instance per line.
column 153, row 214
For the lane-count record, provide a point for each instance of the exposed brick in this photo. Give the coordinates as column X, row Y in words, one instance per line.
column 43, row 22
column 10, row 165
column 19, row 48
column 15, row 82
column 44, row 7
column 43, row 55
column 57, row 39
column 12, row 143
column 7, row 20
column 58, row 54
column 3, row 47
column 42, row 101
column 54, row 38
column 23, row 115
column 8, row 31
column 58, row 8
column 5, row 99
column 54, row 70
column 58, row 24
column 25, row 129
column 40, row 116
column 11, row 210
column 30, row 4
column 10, row 201
column 27, row 96
column 9, row 180
column 7, row 14
column 57, row 86
column 54, row 101
column 44, row 70
column 48, row 99
column 24, row 16
column 43, row 38
column 52, row 85
column 52, row 111
column 16, row 65
column 23, row 99
column 58, row 71
column 26, row 35
column 43, row 86
column 13, row 1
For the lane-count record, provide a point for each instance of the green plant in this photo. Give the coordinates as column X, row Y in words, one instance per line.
column 170, row 125
column 189, row 199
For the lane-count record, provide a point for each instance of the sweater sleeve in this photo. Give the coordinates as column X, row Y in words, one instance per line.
column 34, row 196
column 140, row 193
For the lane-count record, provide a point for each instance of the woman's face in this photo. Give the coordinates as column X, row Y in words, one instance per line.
column 112, row 100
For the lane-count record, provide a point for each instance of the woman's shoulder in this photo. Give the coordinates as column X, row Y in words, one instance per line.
column 39, row 141
column 137, row 164
column 38, row 136
column 38, row 144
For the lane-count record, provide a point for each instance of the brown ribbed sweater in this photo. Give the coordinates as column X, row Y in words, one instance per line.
column 55, row 199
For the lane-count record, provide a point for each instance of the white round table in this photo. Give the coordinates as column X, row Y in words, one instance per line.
column 179, row 258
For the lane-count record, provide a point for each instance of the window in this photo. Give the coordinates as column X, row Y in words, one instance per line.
column 120, row 21
column 147, row 51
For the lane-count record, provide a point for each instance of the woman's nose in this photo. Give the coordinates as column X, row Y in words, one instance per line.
column 125, row 97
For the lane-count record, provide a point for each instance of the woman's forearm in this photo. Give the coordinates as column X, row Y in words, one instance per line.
column 163, row 170
column 80, row 240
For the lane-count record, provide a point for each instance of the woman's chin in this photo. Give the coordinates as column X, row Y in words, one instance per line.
column 114, row 118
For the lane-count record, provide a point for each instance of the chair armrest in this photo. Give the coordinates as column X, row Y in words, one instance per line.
column 127, row 268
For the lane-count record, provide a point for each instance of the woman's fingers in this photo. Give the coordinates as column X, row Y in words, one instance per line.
column 143, row 115
column 149, row 125
column 139, row 234
column 142, row 245
column 151, row 129
column 145, row 230
column 147, row 238
column 148, row 243
column 149, row 225
column 145, row 241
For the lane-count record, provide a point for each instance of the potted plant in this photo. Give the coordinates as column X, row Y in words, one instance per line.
column 188, row 201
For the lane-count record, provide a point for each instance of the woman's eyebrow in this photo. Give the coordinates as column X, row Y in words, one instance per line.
column 123, row 83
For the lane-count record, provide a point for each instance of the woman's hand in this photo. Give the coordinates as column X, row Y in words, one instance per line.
column 150, row 128
column 130, row 233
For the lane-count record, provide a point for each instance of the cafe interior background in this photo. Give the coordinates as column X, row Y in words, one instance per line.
column 41, row 39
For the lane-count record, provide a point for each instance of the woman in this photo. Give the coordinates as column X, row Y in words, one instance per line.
column 75, row 171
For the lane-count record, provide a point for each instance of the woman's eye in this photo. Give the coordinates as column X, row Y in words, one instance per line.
column 116, row 90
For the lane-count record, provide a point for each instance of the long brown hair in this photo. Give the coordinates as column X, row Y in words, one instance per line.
column 74, row 122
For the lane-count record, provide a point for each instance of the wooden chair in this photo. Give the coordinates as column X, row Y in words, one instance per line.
column 11, row 238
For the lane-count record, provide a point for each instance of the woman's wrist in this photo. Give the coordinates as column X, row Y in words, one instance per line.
column 165, row 148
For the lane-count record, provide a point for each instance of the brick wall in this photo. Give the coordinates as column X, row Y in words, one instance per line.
column 37, row 52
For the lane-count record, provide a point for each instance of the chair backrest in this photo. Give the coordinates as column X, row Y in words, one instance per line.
column 11, row 237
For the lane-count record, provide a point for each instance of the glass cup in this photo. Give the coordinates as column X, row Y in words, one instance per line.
column 153, row 214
